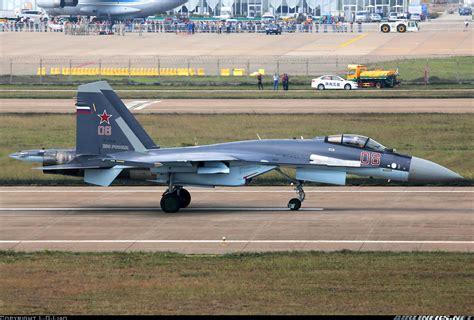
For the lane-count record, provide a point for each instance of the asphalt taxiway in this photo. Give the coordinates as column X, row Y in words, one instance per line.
column 225, row 220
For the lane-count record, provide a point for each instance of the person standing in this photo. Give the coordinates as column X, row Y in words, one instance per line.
column 276, row 79
column 284, row 81
column 259, row 81
column 466, row 25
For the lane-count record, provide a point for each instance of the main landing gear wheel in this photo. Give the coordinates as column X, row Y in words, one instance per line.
column 184, row 197
column 170, row 202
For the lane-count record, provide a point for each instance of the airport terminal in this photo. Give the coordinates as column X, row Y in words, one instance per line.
column 176, row 173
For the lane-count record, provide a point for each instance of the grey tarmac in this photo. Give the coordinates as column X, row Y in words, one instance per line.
column 254, row 106
column 246, row 219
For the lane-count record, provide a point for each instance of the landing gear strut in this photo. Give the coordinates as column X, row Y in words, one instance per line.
column 295, row 203
column 174, row 198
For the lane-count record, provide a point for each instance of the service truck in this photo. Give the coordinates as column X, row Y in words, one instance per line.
column 399, row 26
column 372, row 78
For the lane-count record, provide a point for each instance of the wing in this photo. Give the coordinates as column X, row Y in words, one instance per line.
column 180, row 158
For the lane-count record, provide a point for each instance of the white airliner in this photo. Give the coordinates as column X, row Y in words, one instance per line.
column 118, row 9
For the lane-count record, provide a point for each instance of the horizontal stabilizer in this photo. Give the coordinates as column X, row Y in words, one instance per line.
column 102, row 177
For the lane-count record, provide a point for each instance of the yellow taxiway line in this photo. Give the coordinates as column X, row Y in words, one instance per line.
column 348, row 42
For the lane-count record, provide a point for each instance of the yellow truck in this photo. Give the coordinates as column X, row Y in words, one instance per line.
column 372, row 78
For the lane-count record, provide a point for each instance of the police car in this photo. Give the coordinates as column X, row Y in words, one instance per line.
column 332, row 82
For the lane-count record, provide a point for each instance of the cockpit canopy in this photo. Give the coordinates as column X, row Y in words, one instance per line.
column 358, row 141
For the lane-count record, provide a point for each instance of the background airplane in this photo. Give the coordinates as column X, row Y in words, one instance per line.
column 117, row 9
column 110, row 143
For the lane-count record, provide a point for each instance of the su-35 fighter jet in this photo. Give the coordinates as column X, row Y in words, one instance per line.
column 110, row 143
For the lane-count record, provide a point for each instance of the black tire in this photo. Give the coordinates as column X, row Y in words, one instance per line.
column 170, row 203
column 294, row 204
column 385, row 28
column 401, row 28
column 184, row 198
column 378, row 85
column 347, row 87
column 321, row 87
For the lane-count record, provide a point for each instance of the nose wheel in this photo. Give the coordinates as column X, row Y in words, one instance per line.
column 295, row 203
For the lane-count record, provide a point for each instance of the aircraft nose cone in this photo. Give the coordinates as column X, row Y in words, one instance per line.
column 422, row 170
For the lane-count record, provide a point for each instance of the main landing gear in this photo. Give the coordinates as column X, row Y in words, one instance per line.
column 295, row 203
column 173, row 200
column 175, row 197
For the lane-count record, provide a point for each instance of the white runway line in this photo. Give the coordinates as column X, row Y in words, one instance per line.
column 143, row 106
column 244, row 241
column 157, row 209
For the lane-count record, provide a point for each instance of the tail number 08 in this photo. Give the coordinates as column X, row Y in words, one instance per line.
column 104, row 130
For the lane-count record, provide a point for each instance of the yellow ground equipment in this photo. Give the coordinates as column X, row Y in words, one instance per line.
column 372, row 78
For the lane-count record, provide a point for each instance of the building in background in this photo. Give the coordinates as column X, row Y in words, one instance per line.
column 255, row 8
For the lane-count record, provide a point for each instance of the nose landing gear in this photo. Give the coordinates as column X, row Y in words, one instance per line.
column 295, row 203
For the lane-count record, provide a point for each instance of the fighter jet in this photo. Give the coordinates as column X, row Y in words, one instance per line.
column 110, row 143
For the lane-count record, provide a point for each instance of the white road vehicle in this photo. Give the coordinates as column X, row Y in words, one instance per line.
column 332, row 82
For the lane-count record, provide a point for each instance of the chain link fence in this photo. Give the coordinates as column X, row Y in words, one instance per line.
column 155, row 69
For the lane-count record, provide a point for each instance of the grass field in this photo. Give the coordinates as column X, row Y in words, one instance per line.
column 442, row 71
column 254, row 94
column 270, row 283
column 443, row 138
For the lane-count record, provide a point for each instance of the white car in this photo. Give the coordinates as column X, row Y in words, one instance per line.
column 332, row 82
column 362, row 16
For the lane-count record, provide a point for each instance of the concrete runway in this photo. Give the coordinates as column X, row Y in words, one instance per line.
column 250, row 219
column 254, row 106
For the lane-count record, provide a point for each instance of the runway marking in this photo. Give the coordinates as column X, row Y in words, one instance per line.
column 244, row 241
column 143, row 106
column 237, row 191
column 345, row 44
column 139, row 105
column 157, row 208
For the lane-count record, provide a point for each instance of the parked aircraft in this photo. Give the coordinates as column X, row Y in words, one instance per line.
column 116, row 9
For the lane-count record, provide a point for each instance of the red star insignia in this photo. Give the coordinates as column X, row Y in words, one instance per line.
column 104, row 117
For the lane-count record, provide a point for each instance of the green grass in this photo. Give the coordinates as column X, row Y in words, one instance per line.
column 211, row 83
column 269, row 283
column 443, row 138
column 443, row 70
column 265, row 94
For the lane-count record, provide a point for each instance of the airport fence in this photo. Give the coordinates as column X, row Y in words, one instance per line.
column 156, row 69
column 156, row 27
